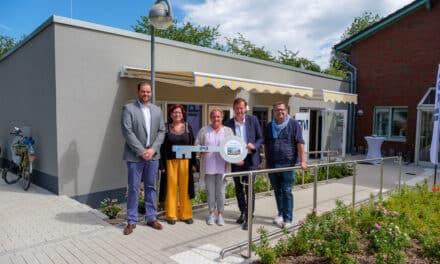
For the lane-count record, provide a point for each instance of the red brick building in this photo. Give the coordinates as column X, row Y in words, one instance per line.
column 397, row 60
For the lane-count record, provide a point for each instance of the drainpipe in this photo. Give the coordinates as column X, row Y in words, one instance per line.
column 353, row 89
column 350, row 120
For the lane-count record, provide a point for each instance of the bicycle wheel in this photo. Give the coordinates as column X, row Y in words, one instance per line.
column 4, row 172
column 10, row 177
column 26, row 178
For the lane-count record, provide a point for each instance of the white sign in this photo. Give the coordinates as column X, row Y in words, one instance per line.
column 232, row 149
column 304, row 121
column 434, row 142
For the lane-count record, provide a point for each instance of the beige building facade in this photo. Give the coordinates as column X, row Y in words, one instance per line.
column 69, row 79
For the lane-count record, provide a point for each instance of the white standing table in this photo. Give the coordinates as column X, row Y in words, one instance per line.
column 374, row 148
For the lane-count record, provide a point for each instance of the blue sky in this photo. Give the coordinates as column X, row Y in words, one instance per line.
column 19, row 17
column 309, row 27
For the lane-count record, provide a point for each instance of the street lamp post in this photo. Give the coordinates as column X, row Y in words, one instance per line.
column 161, row 17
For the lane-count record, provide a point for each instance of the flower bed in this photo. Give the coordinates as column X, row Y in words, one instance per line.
column 401, row 229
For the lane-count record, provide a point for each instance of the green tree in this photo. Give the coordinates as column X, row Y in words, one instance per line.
column 6, row 43
column 242, row 46
column 291, row 58
column 204, row 36
column 359, row 23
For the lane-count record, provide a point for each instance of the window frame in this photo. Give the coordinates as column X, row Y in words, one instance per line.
column 390, row 111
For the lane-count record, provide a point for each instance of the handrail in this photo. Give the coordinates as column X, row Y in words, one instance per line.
column 315, row 187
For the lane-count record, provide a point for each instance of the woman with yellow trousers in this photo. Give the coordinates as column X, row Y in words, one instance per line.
column 177, row 181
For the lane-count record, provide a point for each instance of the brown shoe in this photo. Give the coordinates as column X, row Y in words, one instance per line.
column 129, row 229
column 155, row 224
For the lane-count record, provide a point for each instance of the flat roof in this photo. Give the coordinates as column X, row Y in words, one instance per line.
column 131, row 34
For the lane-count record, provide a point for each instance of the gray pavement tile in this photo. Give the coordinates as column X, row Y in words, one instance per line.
column 29, row 257
column 89, row 252
column 5, row 259
column 42, row 257
column 66, row 254
column 51, row 252
column 17, row 259
column 65, row 231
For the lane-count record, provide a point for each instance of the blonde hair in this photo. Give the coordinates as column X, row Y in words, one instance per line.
column 216, row 110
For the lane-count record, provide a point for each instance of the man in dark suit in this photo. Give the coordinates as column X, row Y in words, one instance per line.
column 143, row 129
column 247, row 128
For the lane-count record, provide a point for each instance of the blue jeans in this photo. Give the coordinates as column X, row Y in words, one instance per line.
column 282, row 183
column 146, row 170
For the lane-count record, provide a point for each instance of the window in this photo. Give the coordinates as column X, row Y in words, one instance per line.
column 390, row 122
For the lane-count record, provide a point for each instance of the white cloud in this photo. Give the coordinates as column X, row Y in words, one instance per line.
column 4, row 27
column 310, row 27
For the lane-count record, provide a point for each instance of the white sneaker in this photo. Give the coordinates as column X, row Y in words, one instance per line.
column 220, row 220
column 287, row 225
column 210, row 220
column 278, row 220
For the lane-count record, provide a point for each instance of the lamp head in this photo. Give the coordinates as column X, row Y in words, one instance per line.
column 161, row 15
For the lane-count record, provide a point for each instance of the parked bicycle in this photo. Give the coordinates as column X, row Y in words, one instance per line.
column 23, row 155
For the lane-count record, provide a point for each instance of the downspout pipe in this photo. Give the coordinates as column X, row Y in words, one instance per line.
column 353, row 89
column 350, row 146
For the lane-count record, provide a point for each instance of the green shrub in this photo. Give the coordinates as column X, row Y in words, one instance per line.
column 201, row 196
column 387, row 227
column 421, row 211
column 334, row 172
column 263, row 249
column 431, row 247
column 338, row 237
column 387, row 241
column 262, row 183
column 110, row 207
column 229, row 190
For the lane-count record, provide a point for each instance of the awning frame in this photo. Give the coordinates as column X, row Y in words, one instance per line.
column 200, row 79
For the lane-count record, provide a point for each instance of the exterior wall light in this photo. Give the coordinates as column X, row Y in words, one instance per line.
column 161, row 17
column 161, row 14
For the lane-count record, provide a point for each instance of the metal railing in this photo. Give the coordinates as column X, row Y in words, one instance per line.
column 315, row 168
column 329, row 155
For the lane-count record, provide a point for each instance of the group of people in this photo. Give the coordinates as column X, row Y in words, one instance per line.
column 148, row 149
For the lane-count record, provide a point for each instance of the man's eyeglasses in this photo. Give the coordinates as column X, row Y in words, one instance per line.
column 279, row 110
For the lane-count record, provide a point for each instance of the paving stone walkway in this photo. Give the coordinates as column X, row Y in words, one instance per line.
column 39, row 227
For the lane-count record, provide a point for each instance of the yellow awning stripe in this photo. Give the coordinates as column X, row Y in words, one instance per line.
column 218, row 81
column 199, row 79
column 339, row 97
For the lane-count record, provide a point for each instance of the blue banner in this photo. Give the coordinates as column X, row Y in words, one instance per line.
column 435, row 136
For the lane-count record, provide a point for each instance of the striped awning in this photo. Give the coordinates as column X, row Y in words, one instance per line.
column 200, row 79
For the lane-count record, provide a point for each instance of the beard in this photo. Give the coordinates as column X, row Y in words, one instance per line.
column 144, row 99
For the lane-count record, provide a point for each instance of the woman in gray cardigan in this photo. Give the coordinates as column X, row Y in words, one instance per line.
column 213, row 166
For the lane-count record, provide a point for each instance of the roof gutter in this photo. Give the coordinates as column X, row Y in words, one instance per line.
column 428, row 4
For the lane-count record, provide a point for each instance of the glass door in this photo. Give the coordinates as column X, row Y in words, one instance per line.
column 334, row 130
column 262, row 114
column 425, row 138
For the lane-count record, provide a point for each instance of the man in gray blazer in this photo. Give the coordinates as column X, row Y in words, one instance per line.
column 144, row 131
